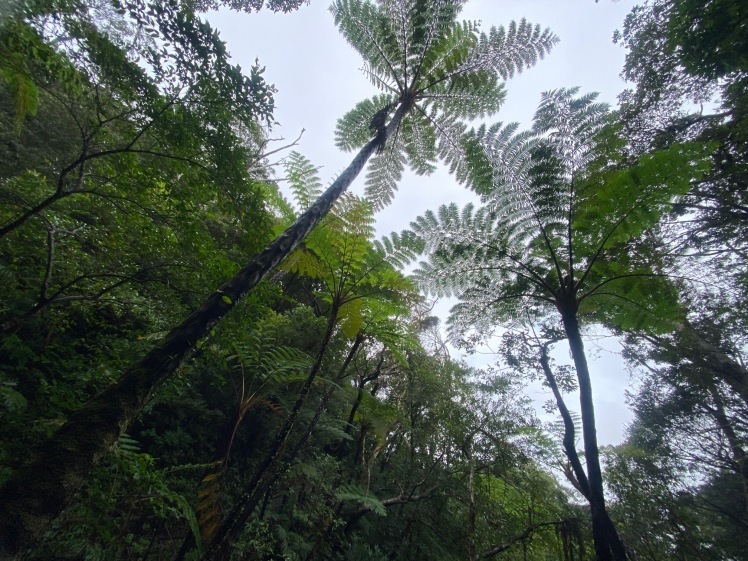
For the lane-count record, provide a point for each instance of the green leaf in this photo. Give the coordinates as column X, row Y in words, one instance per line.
column 351, row 318
column 362, row 496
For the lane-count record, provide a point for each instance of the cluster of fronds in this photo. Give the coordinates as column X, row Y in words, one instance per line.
column 557, row 200
column 439, row 71
column 359, row 274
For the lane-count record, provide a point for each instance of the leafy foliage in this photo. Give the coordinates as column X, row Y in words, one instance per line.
column 284, row 6
column 441, row 71
column 558, row 212
column 357, row 275
column 126, row 136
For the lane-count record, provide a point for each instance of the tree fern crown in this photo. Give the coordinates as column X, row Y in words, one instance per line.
column 561, row 206
column 441, row 71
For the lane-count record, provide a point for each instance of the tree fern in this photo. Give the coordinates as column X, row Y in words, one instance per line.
column 553, row 208
column 558, row 204
column 441, row 71
column 396, row 38
column 359, row 273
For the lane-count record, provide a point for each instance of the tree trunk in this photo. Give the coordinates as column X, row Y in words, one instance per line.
column 269, row 472
column 36, row 494
column 608, row 544
column 580, row 483
column 472, row 556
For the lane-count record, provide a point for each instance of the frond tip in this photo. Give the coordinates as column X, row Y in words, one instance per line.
column 507, row 52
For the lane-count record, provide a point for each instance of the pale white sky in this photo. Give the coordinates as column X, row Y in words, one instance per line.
column 318, row 78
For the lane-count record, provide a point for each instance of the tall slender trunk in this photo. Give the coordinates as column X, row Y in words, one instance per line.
column 472, row 555
column 581, row 483
column 740, row 459
column 608, row 544
column 269, row 472
column 37, row 493
column 360, row 393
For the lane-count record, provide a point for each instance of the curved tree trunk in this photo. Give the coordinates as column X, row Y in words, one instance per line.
column 36, row 494
column 581, row 483
column 608, row 544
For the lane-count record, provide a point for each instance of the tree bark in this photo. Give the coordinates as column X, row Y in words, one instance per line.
column 608, row 544
column 582, row 485
column 467, row 449
column 39, row 492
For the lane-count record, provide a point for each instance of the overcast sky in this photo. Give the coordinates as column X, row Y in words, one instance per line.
column 318, row 78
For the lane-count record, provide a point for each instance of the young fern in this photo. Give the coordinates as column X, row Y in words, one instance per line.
column 261, row 368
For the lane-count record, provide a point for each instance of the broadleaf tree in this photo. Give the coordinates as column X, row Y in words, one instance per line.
column 554, row 239
column 434, row 72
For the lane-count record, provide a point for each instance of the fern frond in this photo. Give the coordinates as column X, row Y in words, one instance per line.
column 429, row 22
column 128, row 444
column 384, row 324
column 509, row 157
column 469, row 96
column 368, row 30
column 455, row 240
column 448, row 52
column 351, row 492
column 353, row 217
column 378, row 81
column 209, row 510
column 384, row 173
column 277, row 204
column 570, row 125
column 352, row 130
column 304, row 262
column 303, row 179
column 268, row 363
column 450, row 146
column 419, row 142
column 508, row 51
column 351, row 317
column 399, row 249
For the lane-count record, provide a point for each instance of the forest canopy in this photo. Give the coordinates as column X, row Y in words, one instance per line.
column 207, row 352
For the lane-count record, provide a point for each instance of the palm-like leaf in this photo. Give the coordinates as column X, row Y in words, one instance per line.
column 441, row 71
column 303, row 179
column 552, row 211
column 571, row 125
column 515, row 251
column 341, row 254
